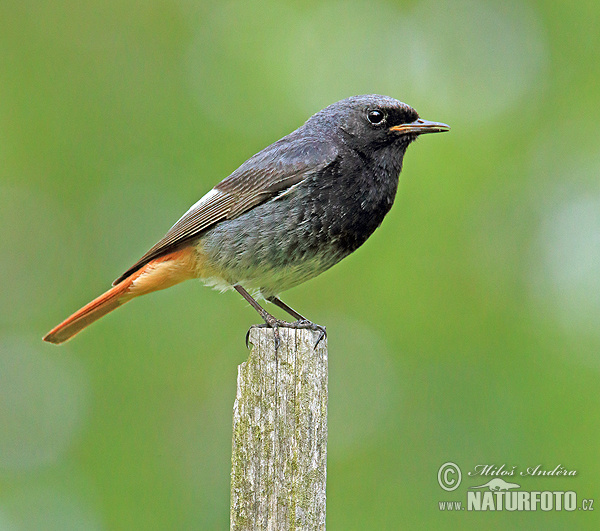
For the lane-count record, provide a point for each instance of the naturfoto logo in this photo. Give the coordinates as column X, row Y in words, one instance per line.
column 497, row 494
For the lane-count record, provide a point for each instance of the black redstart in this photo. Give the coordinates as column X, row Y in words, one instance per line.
column 284, row 216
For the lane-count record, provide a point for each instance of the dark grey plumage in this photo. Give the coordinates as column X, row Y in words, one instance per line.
column 301, row 204
column 350, row 172
column 287, row 214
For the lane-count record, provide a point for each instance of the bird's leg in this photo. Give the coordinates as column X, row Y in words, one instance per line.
column 274, row 323
column 302, row 322
column 278, row 302
column 271, row 321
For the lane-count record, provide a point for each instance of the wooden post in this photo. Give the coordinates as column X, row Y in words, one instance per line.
column 279, row 453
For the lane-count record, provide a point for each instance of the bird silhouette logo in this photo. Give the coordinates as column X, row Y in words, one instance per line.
column 497, row 484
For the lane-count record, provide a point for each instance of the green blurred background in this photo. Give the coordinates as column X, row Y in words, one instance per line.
column 467, row 329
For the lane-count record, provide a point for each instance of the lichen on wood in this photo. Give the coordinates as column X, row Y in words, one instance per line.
column 279, row 448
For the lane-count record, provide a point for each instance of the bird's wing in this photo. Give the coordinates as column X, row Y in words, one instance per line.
column 269, row 173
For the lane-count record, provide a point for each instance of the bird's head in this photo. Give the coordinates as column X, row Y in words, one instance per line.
column 373, row 121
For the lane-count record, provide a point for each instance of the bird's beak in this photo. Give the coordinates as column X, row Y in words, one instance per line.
column 420, row 126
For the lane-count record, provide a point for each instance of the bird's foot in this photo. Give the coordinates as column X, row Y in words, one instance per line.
column 270, row 322
column 309, row 325
column 302, row 324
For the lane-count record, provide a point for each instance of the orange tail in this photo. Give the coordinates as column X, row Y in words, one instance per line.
column 99, row 307
column 158, row 274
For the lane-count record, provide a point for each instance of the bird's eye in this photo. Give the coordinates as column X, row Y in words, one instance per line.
column 375, row 117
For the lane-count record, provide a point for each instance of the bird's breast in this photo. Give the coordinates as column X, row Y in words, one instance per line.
column 297, row 236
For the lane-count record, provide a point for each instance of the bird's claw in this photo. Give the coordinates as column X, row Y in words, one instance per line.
column 275, row 324
column 309, row 325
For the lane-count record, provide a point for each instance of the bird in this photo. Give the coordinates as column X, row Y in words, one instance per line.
column 287, row 214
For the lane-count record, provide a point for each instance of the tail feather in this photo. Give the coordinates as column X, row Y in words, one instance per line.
column 157, row 274
column 99, row 307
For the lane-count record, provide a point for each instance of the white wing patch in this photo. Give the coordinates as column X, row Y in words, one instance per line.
column 214, row 193
column 287, row 191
